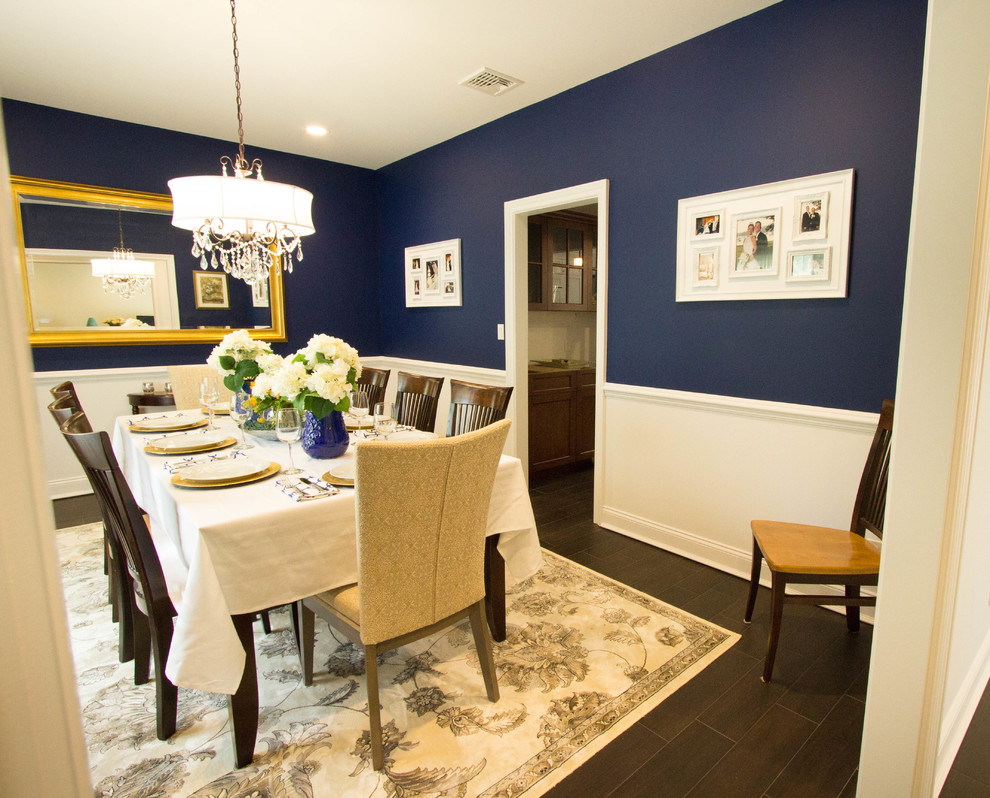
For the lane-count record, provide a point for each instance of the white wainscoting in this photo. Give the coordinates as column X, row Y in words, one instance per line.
column 688, row 472
column 103, row 395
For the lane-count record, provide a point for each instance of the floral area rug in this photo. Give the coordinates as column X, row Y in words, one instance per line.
column 585, row 657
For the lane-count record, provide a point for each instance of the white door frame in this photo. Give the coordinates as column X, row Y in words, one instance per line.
column 517, row 212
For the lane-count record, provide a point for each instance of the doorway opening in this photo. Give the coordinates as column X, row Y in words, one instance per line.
column 517, row 296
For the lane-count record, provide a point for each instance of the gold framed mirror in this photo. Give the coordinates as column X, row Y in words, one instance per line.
column 62, row 227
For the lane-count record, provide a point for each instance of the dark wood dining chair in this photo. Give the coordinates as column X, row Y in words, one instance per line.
column 416, row 400
column 433, row 496
column 149, row 603
column 62, row 409
column 66, row 389
column 374, row 382
column 474, row 406
column 801, row 554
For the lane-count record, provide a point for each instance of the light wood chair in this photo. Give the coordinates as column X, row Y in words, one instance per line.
column 474, row 406
column 374, row 382
column 422, row 513
column 151, row 609
column 801, row 554
column 416, row 400
column 186, row 381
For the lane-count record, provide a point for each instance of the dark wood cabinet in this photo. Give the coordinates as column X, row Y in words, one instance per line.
column 561, row 417
column 562, row 262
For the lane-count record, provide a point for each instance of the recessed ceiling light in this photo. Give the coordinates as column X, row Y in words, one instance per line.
column 316, row 130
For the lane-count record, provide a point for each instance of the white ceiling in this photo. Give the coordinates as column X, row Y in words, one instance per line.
column 381, row 75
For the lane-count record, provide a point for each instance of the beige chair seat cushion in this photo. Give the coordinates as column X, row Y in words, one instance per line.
column 802, row 549
column 344, row 602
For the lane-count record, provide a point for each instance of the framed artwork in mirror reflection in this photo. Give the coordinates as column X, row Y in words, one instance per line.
column 211, row 289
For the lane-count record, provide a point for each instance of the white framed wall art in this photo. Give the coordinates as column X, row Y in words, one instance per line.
column 433, row 274
column 784, row 240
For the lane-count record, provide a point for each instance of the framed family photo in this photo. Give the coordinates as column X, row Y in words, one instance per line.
column 811, row 217
column 433, row 274
column 210, row 289
column 783, row 240
column 708, row 224
column 808, row 264
column 755, row 254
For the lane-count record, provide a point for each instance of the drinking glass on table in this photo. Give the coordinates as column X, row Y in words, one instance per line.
column 359, row 407
column 288, row 429
column 384, row 419
column 239, row 414
column 208, row 395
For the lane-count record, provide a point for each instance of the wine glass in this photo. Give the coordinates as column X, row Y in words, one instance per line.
column 384, row 419
column 359, row 406
column 239, row 414
column 208, row 395
column 288, row 429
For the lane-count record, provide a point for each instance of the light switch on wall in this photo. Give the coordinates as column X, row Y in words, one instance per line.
column 501, row 332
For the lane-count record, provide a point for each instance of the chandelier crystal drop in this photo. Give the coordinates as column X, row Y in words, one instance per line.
column 241, row 223
column 122, row 274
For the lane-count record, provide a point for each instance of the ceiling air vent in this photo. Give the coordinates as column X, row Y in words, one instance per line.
column 490, row 82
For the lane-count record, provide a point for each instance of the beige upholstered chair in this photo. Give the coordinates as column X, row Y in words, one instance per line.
column 422, row 513
column 186, row 381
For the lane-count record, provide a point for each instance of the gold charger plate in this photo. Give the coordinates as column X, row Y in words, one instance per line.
column 217, row 411
column 273, row 468
column 199, row 422
column 337, row 481
column 205, row 447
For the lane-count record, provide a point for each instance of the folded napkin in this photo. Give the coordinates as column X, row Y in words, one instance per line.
column 306, row 488
column 185, row 462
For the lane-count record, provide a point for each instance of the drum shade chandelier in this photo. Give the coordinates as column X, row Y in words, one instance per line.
column 121, row 273
column 241, row 222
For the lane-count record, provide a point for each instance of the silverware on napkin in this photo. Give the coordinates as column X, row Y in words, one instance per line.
column 306, row 488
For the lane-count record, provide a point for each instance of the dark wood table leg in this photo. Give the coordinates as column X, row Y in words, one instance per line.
column 495, row 588
column 243, row 704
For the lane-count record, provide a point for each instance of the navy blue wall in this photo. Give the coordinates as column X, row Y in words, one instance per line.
column 786, row 92
column 323, row 294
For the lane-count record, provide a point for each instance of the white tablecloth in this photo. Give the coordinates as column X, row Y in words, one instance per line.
column 250, row 547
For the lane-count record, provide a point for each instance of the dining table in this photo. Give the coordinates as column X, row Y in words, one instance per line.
column 235, row 550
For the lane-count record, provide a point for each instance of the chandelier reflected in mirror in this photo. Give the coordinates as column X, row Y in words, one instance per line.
column 240, row 222
column 121, row 273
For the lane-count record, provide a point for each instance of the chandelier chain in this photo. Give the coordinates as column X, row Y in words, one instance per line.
column 241, row 160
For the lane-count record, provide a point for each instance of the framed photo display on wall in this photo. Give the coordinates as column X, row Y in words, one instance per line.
column 785, row 240
column 433, row 274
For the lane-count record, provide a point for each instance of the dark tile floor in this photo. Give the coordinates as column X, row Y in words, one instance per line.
column 725, row 733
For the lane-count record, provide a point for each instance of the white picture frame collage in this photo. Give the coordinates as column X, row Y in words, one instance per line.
column 433, row 274
column 784, row 240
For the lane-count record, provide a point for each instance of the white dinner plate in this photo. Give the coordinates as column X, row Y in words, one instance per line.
column 344, row 470
column 354, row 422
column 167, row 423
column 222, row 470
column 189, row 440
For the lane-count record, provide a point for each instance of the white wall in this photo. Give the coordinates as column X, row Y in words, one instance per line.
column 904, row 709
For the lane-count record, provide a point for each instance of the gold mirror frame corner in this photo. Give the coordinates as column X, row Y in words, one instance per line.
column 38, row 187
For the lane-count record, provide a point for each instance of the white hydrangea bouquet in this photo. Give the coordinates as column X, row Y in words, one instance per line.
column 317, row 378
column 239, row 358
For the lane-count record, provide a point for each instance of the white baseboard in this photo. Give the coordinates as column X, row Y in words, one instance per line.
column 958, row 716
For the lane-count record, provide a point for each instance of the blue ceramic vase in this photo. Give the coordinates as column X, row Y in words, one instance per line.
column 323, row 438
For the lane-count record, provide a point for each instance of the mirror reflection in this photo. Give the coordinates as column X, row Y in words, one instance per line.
column 63, row 227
